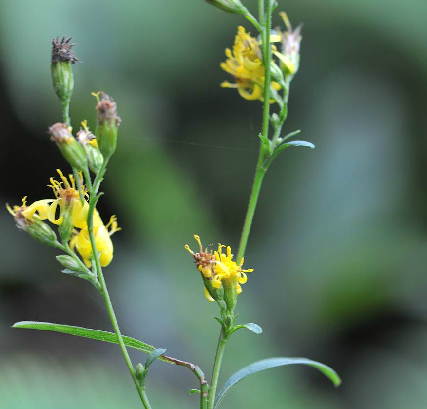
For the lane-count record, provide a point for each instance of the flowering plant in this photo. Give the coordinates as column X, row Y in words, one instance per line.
column 262, row 69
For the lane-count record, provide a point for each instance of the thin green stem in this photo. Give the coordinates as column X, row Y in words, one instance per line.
column 78, row 184
column 144, row 398
column 261, row 15
column 267, row 65
column 93, row 190
column 216, row 369
column 66, row 112
column 263, row 154
column 256, row 188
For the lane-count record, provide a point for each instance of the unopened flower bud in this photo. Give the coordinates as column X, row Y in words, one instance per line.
column 62, row 73
column 69, row 262
column 276, row 73
column 290, row 53
column 38, row 230
column 66, row 227
column 231, row 6
column 71, row 150
column 108, row 123
column 89, row 143
column 275, row 119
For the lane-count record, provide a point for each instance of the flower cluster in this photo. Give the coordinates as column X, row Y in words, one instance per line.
column 69, row 208
column 245, row 61
column 219, row 269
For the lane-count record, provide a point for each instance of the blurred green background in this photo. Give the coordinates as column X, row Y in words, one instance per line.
column 339, row 238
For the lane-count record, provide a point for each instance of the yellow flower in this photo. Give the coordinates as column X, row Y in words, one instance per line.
column 68, row 200
column 244, row 63
column 227, row 270
column 24, row 215
column 81, row 241
column 219, row 268
column 290, row 39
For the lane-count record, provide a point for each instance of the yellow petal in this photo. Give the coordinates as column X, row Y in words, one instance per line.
column 40, row 206
column 52, row 212
column 80, row 213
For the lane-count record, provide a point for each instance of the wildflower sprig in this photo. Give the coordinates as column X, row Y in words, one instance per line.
column 262, row 69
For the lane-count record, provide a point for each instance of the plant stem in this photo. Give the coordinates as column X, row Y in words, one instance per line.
column 217, row 366
column 66, row 112
column 256, row 188
column 93, row 190
column 78, row 183
column 260, row 169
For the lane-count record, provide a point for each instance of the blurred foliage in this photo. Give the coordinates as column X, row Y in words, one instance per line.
column 339, row 238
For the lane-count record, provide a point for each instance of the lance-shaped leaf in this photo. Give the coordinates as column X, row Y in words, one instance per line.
column 98, row 335
column 273, row 363
column 283, row 147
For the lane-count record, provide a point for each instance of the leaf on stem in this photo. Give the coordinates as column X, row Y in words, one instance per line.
column 256, row 329
column 273, row 363
column 153, row 356
column 300, row 143
column 97, row 335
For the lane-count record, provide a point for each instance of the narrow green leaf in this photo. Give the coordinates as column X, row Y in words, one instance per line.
column 283, row 147
column 301, row 143
column 256, row 329
column 194, row 391
column 98, row 335
column 153, row 356
column 290, row 135
column 273, row 363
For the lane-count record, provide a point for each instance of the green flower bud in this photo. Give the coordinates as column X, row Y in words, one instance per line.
column 94, row 156
column 216, row 293
column 231, row 6
column 39, row 231
column 71, row 150
column 62, row 73
column 275, row 120
column 230, row 294
column 66, row 227
column 108, row 123
column 290, row 53
column 276, row 73
column 69, row 262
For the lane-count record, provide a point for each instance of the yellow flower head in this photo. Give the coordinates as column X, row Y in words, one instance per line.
column 81, row 241
column 244, row 63
column 289, row 55
column 22, row 216
column 219, row 267
column 68, row 199
column 228, row 270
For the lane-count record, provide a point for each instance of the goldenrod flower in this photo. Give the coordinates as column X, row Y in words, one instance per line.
column 219, row 268
column 68, row 199
column 68, row 202
column 81, row 241
column 228, row 270
column 27, row 220
column 290, row 39
column 244, row 63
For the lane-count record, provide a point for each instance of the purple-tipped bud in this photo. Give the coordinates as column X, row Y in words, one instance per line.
column 108, row 122
column 71, row 150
